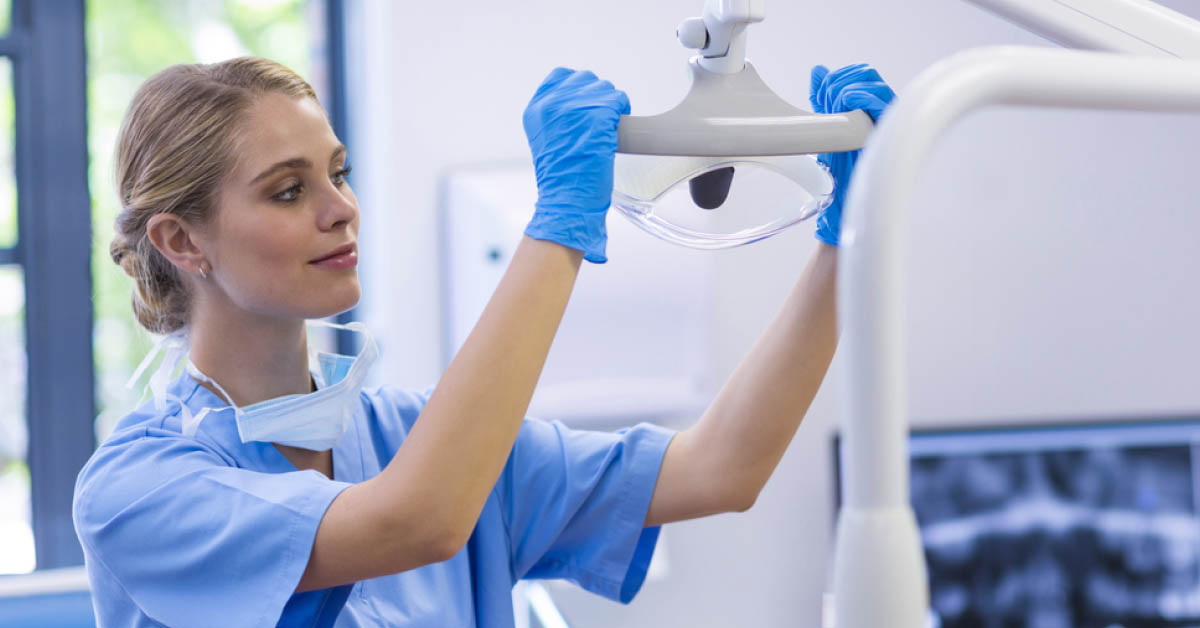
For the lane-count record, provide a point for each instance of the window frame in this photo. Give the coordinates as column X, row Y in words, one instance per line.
column 53, row 248
column 339, row 119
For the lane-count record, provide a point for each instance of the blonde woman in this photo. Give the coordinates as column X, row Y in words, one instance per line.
column 260, row 489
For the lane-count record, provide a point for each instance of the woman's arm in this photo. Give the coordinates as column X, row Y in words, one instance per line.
column 422, row 507
column 722, row 462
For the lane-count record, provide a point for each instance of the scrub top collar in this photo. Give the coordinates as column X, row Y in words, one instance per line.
column 219, row 428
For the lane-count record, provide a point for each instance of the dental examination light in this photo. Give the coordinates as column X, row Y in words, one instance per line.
column 879, row 576
column 746, row 155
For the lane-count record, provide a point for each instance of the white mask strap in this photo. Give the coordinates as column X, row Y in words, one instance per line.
column 191, row 424
column 144, row 364
column 357, row 326
column 176, row 347
column 198, row 374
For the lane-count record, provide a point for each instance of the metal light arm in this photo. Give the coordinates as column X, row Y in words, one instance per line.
column 879, row 569
column 729, row 111
column 1130, row 26
column 720, row 34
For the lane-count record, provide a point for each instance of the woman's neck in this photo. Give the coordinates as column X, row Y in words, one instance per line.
column 253, row 358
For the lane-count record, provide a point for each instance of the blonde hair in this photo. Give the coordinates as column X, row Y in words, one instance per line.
column 177, row 145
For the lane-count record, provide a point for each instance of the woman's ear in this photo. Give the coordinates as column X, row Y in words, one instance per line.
column 175, row 239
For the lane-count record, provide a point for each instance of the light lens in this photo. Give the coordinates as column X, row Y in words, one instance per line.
column 682, row 199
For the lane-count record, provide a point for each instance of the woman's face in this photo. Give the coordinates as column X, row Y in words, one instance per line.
column 284, row 239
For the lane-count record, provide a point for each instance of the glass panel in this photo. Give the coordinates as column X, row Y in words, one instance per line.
column 8, row 181
column 128, row 42
column 16, row 533
column 5, row 16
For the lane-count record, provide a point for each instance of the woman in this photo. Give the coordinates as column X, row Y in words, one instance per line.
column 254, row 491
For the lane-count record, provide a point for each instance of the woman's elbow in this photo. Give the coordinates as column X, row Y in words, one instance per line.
column 445, row 535
column 735, row 496
column 419, row 546
column 742, row 500
column 416, row 536
column 446, row 545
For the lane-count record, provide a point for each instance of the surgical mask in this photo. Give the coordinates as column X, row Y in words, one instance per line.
column 314, row 421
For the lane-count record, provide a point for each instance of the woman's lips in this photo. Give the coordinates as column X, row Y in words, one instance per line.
column 341, row 258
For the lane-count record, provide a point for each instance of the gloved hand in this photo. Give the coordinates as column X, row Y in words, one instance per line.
column 853, row 87
column 571, row 123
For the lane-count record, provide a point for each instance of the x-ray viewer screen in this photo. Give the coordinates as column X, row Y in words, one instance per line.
column 1087, row 526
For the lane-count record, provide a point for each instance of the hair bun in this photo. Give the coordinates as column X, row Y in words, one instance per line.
column 124, row 256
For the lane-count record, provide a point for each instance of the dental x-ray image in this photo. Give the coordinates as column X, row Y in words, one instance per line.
column 1060, row 528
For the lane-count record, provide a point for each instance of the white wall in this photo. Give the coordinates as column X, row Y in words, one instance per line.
column 1051, row 257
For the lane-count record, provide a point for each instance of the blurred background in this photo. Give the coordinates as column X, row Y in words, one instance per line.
column 1051, row 263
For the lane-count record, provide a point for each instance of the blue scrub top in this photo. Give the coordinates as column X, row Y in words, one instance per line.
column 209, row 531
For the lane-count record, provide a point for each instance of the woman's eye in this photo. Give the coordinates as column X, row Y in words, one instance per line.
column 339, row 177
column 289, row 194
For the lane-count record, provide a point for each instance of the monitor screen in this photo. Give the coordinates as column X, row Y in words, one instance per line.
column 1074, row 526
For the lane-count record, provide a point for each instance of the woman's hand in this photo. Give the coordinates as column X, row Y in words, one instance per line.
column 846, row 89
column 571, row 123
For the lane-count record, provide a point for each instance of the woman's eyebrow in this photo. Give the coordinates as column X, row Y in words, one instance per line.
column 294, row 162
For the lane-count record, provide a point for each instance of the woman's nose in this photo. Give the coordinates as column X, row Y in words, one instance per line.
column 339, row 208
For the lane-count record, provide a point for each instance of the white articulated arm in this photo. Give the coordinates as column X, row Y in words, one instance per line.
column 720, row 35
column 1130, row 26
column 879, row 570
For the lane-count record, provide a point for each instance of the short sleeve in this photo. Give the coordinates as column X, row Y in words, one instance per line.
column 575, row 503
column 193, row 541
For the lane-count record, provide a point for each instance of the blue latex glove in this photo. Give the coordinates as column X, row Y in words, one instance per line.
column 571, row 123
column 853, row 87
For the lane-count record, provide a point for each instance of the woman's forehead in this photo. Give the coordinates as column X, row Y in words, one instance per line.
column 279, row 127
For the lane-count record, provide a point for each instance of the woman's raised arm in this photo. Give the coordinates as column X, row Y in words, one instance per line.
column 423, row 507
column 722, row 463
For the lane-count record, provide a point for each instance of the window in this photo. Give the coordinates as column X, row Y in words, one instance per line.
column 62, row 379
column 127, row 43
column 15, row 516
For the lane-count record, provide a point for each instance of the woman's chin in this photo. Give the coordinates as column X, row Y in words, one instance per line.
column 344, row 299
